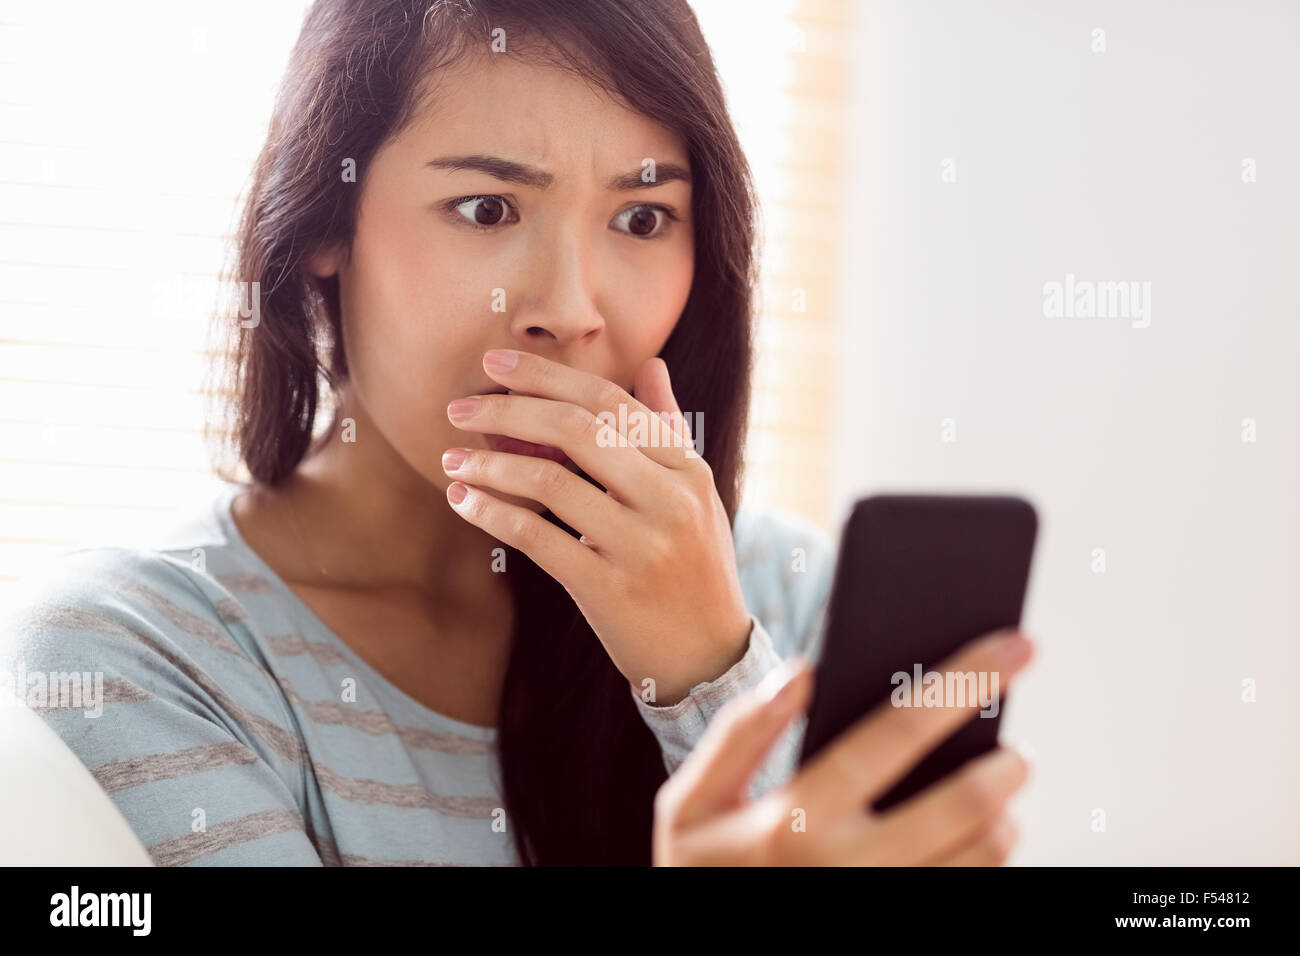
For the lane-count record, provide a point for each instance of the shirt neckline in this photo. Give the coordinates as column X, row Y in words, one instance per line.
column 301, row 609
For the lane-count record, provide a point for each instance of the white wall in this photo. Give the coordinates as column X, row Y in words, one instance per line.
column 1123, row 165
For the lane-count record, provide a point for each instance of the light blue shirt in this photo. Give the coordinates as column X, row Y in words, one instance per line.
column 223, row 737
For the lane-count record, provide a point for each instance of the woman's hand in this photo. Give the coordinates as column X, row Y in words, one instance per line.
column 702, row 817
column 655, row 570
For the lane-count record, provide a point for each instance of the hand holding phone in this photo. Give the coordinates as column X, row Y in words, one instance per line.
column 928, row 584
column 817, row 818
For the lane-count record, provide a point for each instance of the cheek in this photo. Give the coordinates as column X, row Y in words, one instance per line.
column 654, row 300
column 409, row 298
column 411, row 335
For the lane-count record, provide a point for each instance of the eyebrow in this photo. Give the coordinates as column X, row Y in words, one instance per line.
column 511, row 172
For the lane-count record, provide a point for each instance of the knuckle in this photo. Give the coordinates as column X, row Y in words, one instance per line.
column 610, row 396
column 684, row 509
column 658, row 553
column 701, row 472
column 549, row 478
column 603, row 433
column 577, row 422
column 523, row 531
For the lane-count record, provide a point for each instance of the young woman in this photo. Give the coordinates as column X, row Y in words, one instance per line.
column 481, row 616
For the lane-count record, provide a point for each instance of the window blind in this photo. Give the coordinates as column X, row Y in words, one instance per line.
column 783, row 66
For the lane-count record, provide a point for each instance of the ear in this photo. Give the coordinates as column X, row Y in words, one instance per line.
column 324, row 261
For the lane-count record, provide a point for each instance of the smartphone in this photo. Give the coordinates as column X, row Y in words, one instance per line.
column 917, row 577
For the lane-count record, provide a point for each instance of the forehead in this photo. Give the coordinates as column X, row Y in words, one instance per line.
column 530, row 111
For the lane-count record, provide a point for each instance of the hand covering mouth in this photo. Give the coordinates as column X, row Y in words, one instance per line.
column 517, row 446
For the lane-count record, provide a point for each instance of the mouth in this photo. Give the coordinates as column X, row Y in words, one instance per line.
column 517, row 446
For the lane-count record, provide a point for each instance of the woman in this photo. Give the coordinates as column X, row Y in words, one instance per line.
column 458, row 625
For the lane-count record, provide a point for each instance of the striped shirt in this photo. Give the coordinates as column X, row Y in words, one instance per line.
column 232, row 727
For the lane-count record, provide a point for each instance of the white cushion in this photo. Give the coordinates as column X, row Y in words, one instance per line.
column 52, row 811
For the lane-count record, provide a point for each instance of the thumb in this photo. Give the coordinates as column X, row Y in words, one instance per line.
column 715, row 774
column 653, row 388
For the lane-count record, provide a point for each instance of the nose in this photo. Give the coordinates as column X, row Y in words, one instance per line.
column 557, row 305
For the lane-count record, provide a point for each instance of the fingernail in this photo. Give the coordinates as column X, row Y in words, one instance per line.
column 500, row 360
column 453, row 458
column 456, row 492
column 462, row 408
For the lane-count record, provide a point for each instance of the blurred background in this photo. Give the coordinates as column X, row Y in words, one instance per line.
column 927, row 171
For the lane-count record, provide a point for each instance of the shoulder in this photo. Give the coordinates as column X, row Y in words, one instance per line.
column 161, row 625
column 109, row 587
column 143, row 617
column 137, row 669
column 166, row 589
column 162, row 579
column 786, row 564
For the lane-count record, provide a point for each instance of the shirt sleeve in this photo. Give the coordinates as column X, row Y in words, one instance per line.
column 786, row 567
column 136, row 673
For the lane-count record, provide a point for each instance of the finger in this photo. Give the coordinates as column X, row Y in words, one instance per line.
column 950, row 813
column 629, row 418
column 575, row 501
column 554, row 551
column 629, row 475
column 654, row 389
column 715, row 775
column 878, row 750
column 991, row 848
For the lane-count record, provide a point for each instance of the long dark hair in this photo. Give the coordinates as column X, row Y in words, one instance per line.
column 579, row 766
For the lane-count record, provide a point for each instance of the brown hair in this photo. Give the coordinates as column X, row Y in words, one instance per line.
column 579, row 766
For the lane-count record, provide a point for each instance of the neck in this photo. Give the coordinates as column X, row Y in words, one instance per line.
column 373, row 522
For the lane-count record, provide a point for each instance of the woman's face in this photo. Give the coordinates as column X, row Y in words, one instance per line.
column 556, row 258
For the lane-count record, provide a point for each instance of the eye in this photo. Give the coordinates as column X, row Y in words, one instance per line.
column 482, row 212
column 646, row 222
